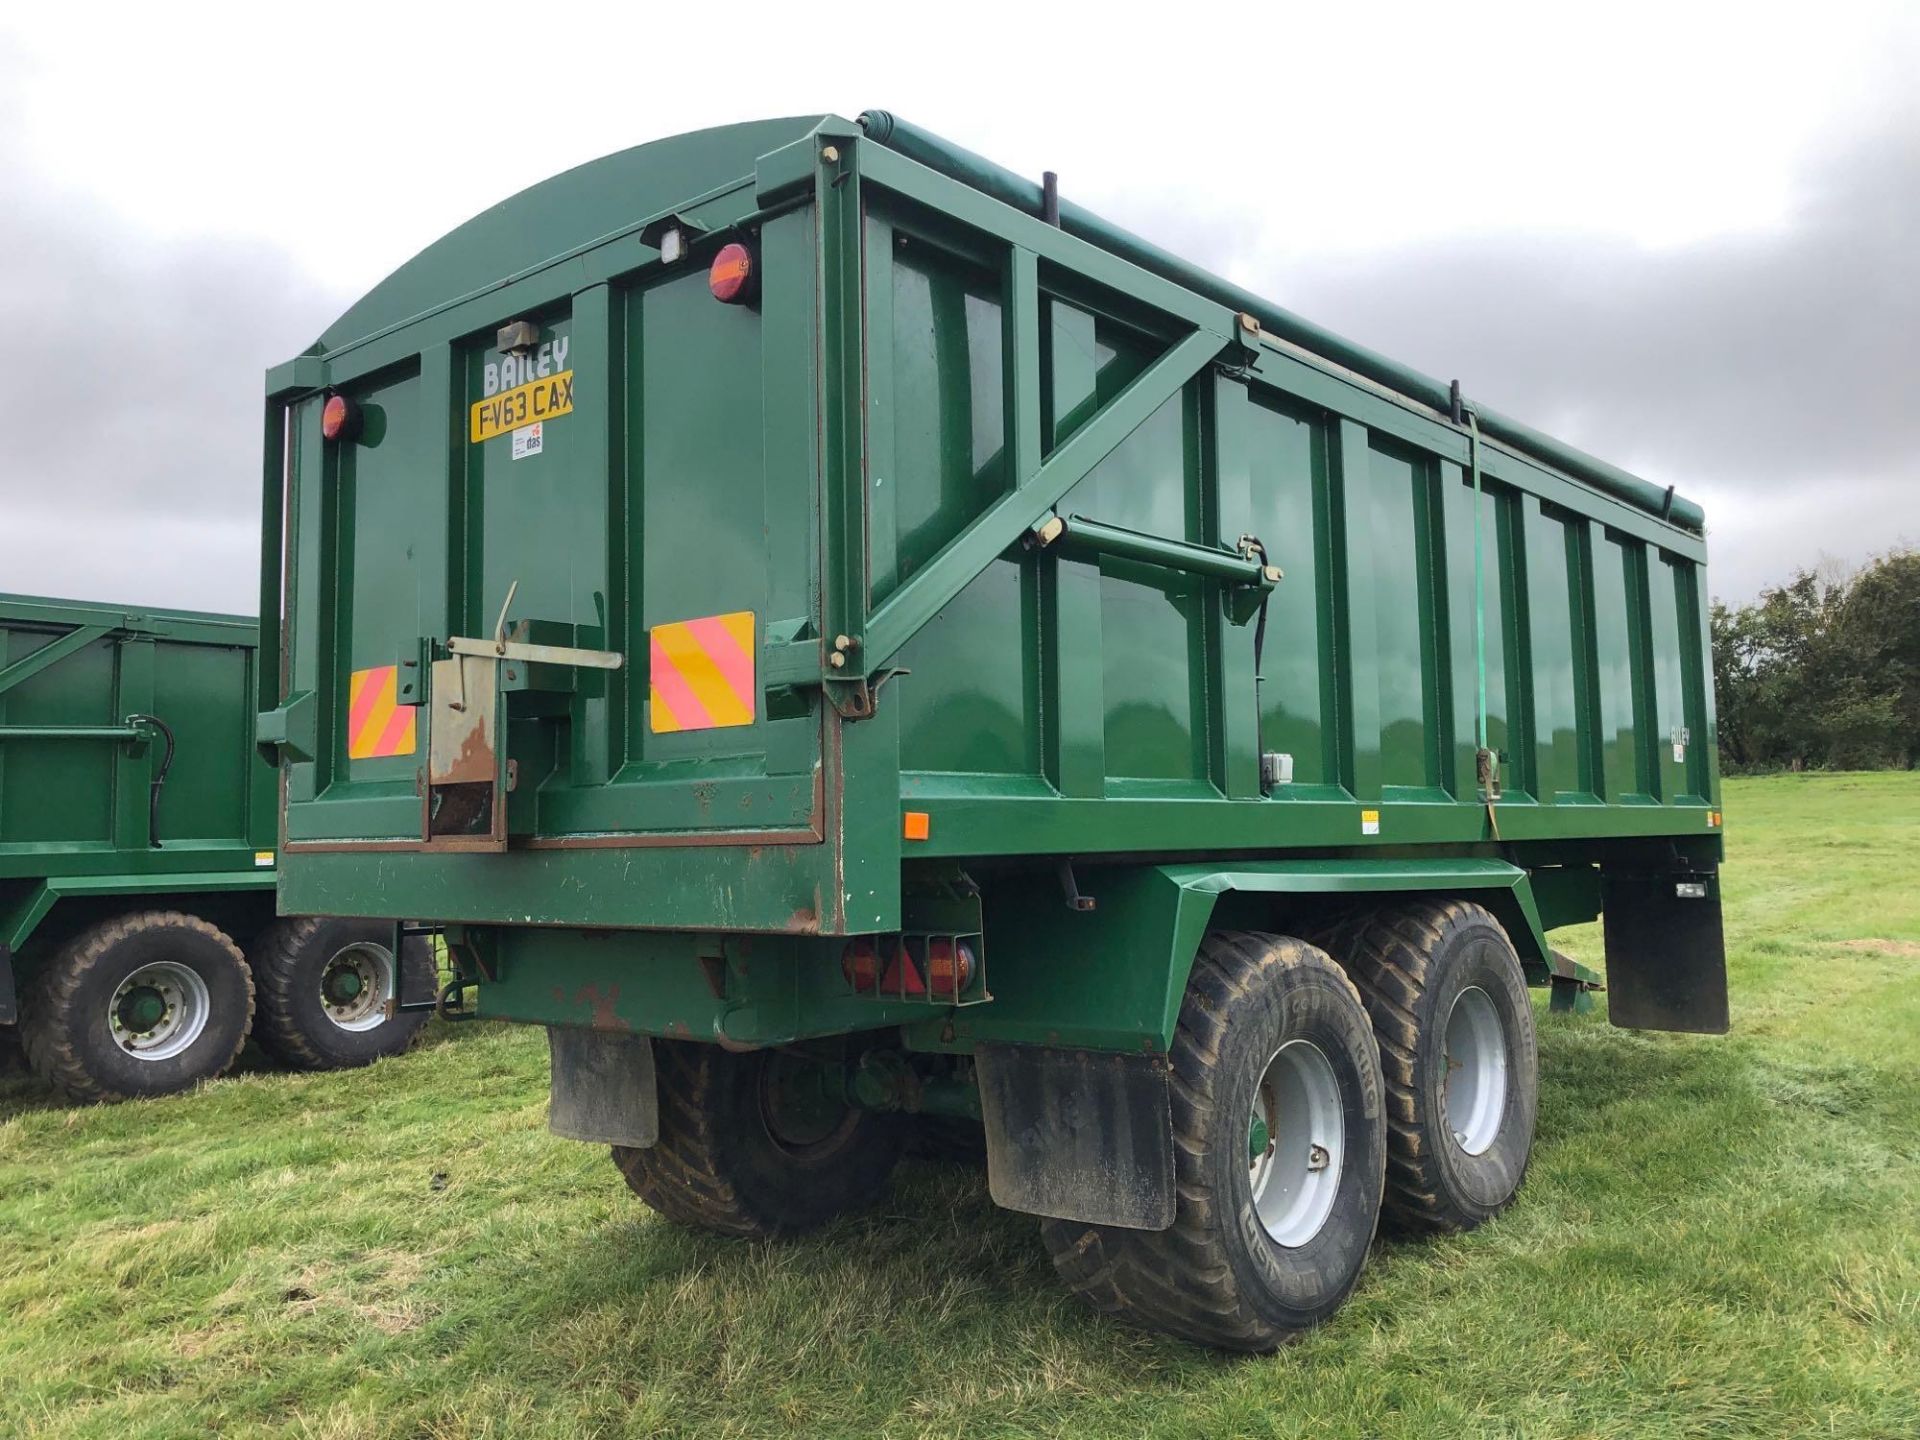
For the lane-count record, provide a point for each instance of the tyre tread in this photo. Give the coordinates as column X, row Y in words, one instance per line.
column 50, row 1020
column 275, row 963
column 687, row 1174
column 1181, row 1280
column 1387, row 954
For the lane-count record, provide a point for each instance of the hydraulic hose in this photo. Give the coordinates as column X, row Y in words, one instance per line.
column 1011, row 189
column 1252, row 545
column 159, row 780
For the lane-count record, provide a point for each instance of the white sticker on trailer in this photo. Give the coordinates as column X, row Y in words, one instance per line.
column 526, row 441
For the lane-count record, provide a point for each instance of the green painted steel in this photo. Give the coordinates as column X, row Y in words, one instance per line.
column 88, row 694
column 1004, row 185
column 1122, row 987
column 741, row 990
column 994, row 493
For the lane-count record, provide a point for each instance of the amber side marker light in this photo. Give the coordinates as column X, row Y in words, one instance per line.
column 949, row 967
column 340, row 420
column 861, row 965
column 946, row 969
column 731, row 276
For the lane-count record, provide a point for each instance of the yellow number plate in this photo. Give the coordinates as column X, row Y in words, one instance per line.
column 522, row 405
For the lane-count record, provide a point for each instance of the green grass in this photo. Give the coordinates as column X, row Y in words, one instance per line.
column 1719, row 1237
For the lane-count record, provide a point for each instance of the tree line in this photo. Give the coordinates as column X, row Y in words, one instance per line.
column 1822, row 672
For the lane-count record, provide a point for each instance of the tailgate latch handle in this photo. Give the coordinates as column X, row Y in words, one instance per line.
column 501, row 648
column 537, row 654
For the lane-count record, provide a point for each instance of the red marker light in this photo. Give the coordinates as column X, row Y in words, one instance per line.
column 861, row 965
column 340, row 420
column 730, row 277
column 939, row 967
column 949, row 967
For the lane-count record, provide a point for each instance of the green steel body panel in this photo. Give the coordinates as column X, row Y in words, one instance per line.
column 734, row 989
column 875, row 459
column 77, row 761
column 1113, row 977
column 23, row 917
column 1122, row 991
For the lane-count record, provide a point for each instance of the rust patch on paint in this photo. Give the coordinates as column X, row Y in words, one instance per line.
column 602, row 1003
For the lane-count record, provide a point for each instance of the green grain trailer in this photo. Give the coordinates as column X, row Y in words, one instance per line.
column 137, row 846
column 885, row 642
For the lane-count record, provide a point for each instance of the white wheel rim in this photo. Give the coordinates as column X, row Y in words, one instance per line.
column 180, row 1002
column 1296, row 1141
column 370, row 968
column 1474, row 1095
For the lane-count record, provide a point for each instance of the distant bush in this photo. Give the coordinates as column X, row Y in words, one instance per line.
column 1823, row 672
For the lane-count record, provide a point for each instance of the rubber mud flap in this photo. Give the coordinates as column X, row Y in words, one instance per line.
column 603, row 1087
column 1666, row 953
column 1078, row 1134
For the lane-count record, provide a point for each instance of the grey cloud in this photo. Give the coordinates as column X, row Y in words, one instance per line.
column 1770, row 375
column 1773, row 374
column 130, row 456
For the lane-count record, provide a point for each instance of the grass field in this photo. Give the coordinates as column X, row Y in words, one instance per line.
column 1719, row 1237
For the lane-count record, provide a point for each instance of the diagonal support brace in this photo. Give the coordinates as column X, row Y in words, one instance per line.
column 70, row 643
column 1008, row 519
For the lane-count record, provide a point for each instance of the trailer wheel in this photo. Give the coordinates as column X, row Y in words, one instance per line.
column 324, row 983
column 758, row 1143
column 1279, row 1148
column 1449, row 1004
column 144, row 1004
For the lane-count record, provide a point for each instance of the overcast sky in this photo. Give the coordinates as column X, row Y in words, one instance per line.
column 1680, row 236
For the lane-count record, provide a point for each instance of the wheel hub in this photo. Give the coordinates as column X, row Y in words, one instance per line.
column 141, row 1009
column 1296, row 1137
column 803, row 1101
column 355, row 986
column 159, row 1010
column 343, row 985
column 1474, row 1094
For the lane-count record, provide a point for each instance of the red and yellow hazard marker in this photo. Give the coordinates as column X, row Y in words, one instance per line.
column 702, row 673
column 377, row 724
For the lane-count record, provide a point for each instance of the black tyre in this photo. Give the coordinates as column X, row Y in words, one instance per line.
column 1449, row 1004
column 12, row 1057
column 1279, row 1149
column 758, row 1144
column 145, row 1004
column 323, row 985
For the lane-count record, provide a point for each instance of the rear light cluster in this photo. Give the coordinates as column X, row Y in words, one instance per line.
column 732, row 275
column 340, row 418
column 913, row 967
